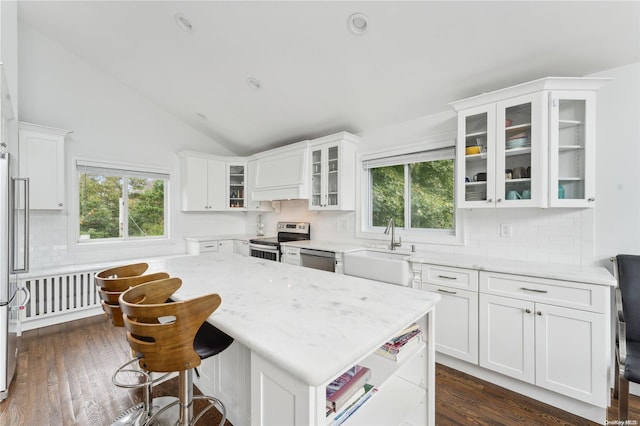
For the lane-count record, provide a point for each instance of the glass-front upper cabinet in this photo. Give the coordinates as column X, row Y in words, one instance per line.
column 529, row 145
column 333, row 172
column 236, row 173
column 476, row 168
column 325, row 163
column 500, row 152
column 520, row 152
column 316, row 178
column 572, row 159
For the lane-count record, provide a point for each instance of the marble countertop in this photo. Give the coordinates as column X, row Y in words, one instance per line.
column 217, row 237
column 323, row 245
column 311, row 323
column 557, row 271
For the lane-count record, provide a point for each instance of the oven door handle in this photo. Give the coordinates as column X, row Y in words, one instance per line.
column 272, row 249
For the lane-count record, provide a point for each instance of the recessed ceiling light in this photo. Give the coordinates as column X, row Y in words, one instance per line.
column 183, row 22
column 254, row 83
column 358, row 23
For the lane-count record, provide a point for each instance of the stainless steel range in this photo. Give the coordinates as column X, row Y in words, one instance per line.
column 269, row 248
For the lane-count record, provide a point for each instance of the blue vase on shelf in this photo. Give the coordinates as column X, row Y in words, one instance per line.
column 560, row 192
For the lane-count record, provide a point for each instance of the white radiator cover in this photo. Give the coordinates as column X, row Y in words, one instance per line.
column 58, row 298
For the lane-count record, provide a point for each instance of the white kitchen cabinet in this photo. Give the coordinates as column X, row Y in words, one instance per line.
column 211, row 183
column 550, row 333
column 457, row 313
column 332, row 172
column 536, row 145
column 202, row 183
column 254, row 204
column 236, row 185
column 225, row 246
column 241, row 247
column 572, row 149
column 42, row 161
column 482, row 177
column 197, row 246
column 291, row 255
column 507, row 336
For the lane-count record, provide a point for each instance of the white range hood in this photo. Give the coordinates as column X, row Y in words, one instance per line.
column 281, row 173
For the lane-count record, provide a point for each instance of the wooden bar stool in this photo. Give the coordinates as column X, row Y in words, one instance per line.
column 111, row 283
column 173, row 337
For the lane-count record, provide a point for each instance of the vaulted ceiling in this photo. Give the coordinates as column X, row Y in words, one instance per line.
column 316, row 76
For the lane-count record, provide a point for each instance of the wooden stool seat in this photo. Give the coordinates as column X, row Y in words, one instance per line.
column 111, row 283
column 166, row 336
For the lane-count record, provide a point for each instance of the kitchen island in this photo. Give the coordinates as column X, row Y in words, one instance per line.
column 297, row 329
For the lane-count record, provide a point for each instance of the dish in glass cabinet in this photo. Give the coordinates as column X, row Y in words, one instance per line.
column 517, row 143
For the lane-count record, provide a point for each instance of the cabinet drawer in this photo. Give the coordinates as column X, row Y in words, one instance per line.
column 292, row 252
column 466, row 279
column 205, row 246
column 197, row 247
column 555, row 292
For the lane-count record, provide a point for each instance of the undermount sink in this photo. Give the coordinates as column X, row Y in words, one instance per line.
column 380, row 265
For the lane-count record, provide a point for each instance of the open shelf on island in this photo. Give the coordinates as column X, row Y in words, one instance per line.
column 396, row 401
column 401, row 391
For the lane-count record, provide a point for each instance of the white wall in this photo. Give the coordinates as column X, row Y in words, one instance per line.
column 109, row 122
column 617, row 218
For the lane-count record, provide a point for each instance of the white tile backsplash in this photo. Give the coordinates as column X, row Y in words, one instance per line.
column 541, row 235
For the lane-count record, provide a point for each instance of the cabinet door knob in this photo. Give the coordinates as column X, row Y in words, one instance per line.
column 539, row 313
column 528, row 310
column 499, row 200
column 490, row 200
column 591, row 199
column 60, row 204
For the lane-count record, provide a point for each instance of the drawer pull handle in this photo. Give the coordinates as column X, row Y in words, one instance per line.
column 447, row 291
column 533, row 289
column 447, row 278
column 209, row 246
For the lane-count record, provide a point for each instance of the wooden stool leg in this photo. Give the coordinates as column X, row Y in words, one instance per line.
column 623, row 399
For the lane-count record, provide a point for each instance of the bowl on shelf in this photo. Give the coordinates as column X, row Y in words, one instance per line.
column 507, row 122
column 517, row 143
column 470, row 150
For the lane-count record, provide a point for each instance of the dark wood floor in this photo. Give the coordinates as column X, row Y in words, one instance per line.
column 64, row 378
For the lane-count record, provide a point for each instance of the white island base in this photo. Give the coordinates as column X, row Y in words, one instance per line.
column 257, row 392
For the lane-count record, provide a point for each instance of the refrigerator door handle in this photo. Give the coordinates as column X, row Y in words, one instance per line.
column 25, row 266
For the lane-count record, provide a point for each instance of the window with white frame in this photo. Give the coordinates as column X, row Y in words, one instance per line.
column 415, row 189
column 119, row 203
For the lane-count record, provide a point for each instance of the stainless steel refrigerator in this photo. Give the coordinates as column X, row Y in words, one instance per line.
column 14, row 258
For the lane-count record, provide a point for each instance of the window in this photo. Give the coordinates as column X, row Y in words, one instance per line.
column 121, row 203
column 416, row 190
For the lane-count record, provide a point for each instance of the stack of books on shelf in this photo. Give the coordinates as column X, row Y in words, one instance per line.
column 399, row 345
column 347, row 393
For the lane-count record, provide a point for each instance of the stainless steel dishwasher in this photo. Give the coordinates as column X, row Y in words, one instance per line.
column 318, row 259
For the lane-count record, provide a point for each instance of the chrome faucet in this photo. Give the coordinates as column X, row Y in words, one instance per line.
column 391, row 226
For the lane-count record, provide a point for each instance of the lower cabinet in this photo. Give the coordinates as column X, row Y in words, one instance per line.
column 221, row 246
column 550, row 333
column 457, row 312
column 291, row 255
column 241, row 247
